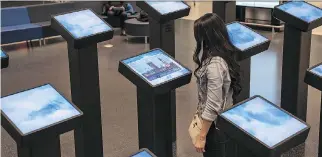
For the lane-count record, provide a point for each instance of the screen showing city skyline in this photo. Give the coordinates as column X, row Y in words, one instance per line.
column 142, row 154
column 317, row 70
column 264, row 121
column 243, row 37
column 82, row 23
column 156, row 67
column 167, row 7
column 3, row 55
column 302, row 10
column 37, row 108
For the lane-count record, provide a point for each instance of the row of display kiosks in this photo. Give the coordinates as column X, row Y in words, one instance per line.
column 313, row 77
column 4, row 59
column 300, row 18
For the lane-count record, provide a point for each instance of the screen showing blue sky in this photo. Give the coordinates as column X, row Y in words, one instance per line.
column 167, row 7
column 266, row 122
column 3, row 54
column 302, row 10
column 243, row 37
column 317, row 70
column 142, row 154
column 82, row 23
column 156, row 67
column 37, row 108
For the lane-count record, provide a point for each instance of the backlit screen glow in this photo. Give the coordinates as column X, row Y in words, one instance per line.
column 317, row 70
column 37, row 108
column 264, row 121
column 82, row 23
column 243, row 37
column 3, row 55
column 302, row 10
column 142, row 154
column 167, row 7
column 156, row 67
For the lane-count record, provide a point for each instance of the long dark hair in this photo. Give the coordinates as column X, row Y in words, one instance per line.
column 211, row 34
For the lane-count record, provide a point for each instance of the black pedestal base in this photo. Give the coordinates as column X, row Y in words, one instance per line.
column 245, row 80
column 156, row 122
column 225, row 9
column 296, row 57
column 320, row 131
column 49, row 147
column 84, row 80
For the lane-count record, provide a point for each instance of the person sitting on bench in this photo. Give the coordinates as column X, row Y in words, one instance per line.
column 118, row 8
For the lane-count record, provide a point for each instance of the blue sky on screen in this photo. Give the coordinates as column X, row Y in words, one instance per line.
column 264, row 121
column 317, row 70
column 36, row 108
column 142, row 154
column 302, row 10
column 82, row 23
column 3, row 54
column 167, row 7
column 242, row 37
column 156, row 67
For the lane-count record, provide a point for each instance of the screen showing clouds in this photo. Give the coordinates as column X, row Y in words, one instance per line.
column 37, row 108
column 142, row 154
column 82, row 23
column 3, row 54
column 266, row 122
column 317, row 70
column 156, row 67
column 167, row 7
column 302, row 10
column 243, row 37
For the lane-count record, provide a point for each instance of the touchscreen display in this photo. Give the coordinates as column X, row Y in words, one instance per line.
column 302, row 10
column 82, row 23
column 156, row 67
column 317, row 70
column 37, row 108
column 167, row 7
column 243, row 37
column 3, row 55
column 142, row 154
column 264, row 121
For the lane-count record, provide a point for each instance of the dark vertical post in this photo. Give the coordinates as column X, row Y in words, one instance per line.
column 320, row 131
column 245, row 79
column 296, row 57
column 84, row 81
column 225, row 9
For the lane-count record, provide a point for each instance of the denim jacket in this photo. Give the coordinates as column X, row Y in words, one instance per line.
column 214, row 92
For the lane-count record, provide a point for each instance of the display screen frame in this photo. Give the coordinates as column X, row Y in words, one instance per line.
column 277, row 7
column 188, row 6
column 84, row 37
column 44, row 127
column 255, row 138
column 145, row 80
column 144, row 150
column 311, row 68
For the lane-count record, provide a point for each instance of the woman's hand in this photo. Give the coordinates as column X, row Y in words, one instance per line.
column 200, row 145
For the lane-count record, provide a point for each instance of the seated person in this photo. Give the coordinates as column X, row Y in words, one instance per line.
column 118, row 8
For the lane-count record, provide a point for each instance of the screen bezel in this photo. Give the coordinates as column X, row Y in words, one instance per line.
column 276, row 7
column 44, row 127
column 309, row 70
column 267, row 40
column 145, row 80
column 255, row 138
column 53, row 17
column 188, row 6
column 144, row 150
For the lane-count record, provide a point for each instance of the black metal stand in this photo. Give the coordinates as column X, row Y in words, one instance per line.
column 245, row 80
column 155, row 122
column 84, row 81
column 49, row 147
column 320, row 131
column 225, row 9
column 296, row 57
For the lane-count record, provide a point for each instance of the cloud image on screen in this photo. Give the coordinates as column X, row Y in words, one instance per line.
column 155, row 67
column 167, row 7
column 3, row 54
column 242, row 37
column 37, row 108
column 264, row 121
column 142, row 154
column 82, row 23
column 317, row 70
column 302, row 10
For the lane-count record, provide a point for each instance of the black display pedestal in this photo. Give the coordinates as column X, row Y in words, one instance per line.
column 225, row 9
column 296, row 57
column 48, row 147
column 245, row 79
column 155, row 122
column 84, row 81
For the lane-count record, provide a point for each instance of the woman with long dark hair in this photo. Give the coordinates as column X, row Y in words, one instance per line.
column 218, row 78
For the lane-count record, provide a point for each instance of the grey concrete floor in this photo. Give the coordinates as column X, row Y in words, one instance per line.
column 49, row 64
